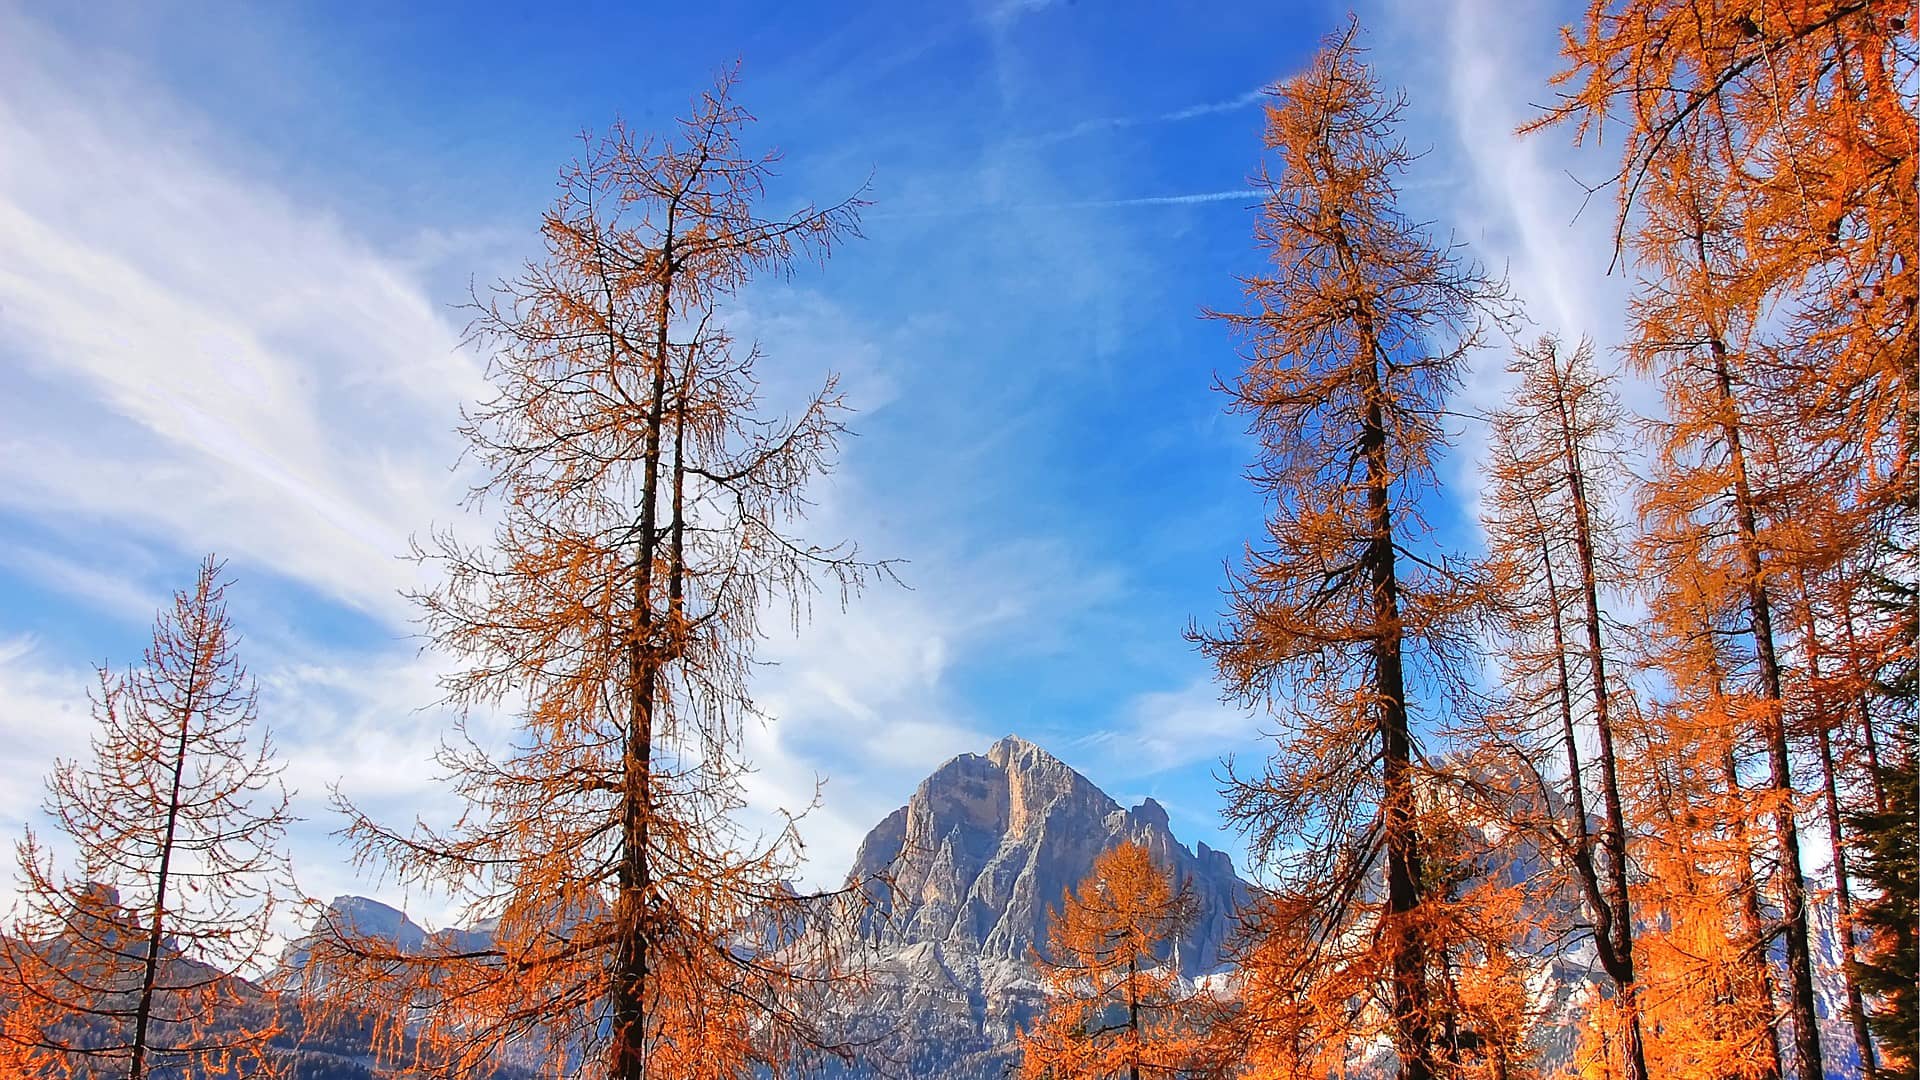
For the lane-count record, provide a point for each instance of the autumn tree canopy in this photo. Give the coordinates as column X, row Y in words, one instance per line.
column 126, row 966
column 645, row 500
column 1767, row 193
column 1116, row 1005
column 1352, row 340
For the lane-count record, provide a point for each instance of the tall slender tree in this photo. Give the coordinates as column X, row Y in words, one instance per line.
column 1885, row 841
column 1553, row 550
column 1719, row 475
column 176, row 822
column 1767, row 183
column 645, row 502
column 1353, row 339
column 1822, row 710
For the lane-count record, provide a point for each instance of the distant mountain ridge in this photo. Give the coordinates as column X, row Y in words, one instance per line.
column 974, row 863
column 970, row 869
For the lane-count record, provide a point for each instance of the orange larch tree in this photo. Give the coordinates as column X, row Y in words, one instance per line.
column 1719, row 481
column 1353, row 339
column 1553, row 550
column 1709, row 1003
column 1819, row 713
column 646, row 504
column 1116, row 1005
column 1806, row 109
column 1767, row 170
column 126, row 967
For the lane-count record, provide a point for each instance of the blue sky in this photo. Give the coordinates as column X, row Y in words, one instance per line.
column 234, row 234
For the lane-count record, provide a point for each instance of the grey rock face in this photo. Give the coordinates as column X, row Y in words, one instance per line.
column 989, row 844
column 970, row 871
column 359, row 917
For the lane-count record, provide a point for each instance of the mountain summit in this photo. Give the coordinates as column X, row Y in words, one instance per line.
column 976, row 861
column 989, row 843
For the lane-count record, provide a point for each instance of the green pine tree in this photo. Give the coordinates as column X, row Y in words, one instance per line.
column 1889, row 845
column 1887, row 837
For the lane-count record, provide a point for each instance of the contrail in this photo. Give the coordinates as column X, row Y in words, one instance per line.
column 1079, row 204
column 1241, row 102
column 1154, row 200
column 1114, row 123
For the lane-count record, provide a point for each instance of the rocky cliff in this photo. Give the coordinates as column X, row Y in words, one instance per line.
column 970, row 870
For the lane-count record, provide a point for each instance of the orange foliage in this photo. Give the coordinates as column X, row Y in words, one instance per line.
column 176, row 822
column 1805, row 109
column 1768, row 186
column 1354, row 338
column 638, row 927
column 29, row 1031
column 1721, row 480
column 1707, row 1003
column 1307, row 998
column 1553, row 549
column 1710, row 1000
column 1486, row 930
column 1116, row 1005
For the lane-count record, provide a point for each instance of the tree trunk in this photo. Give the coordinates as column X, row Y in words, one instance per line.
column 1402, row 841
column 156, row 932
column 1842, row 898
column 633, row 908
column 1133, row 1016
column 1751, row 924
column 1413, row 1033
column 1871, row 743
column 1793, row 897
column 1613, row 837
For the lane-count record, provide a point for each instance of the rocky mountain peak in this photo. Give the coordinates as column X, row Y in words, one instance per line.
column 988, row 845
column 356, row 916
column 967, row 876
column 1013, row 748
column 1150, row 814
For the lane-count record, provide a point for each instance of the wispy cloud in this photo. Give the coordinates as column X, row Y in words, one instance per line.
column 1004, row 13
column 123, row 597
column 1470, row 73
column 43, row 716
column 1242, row 195
column 1251, row 97
column 251, row 376
column 1167, row 730
column 194, row 359
column 1235, row 195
